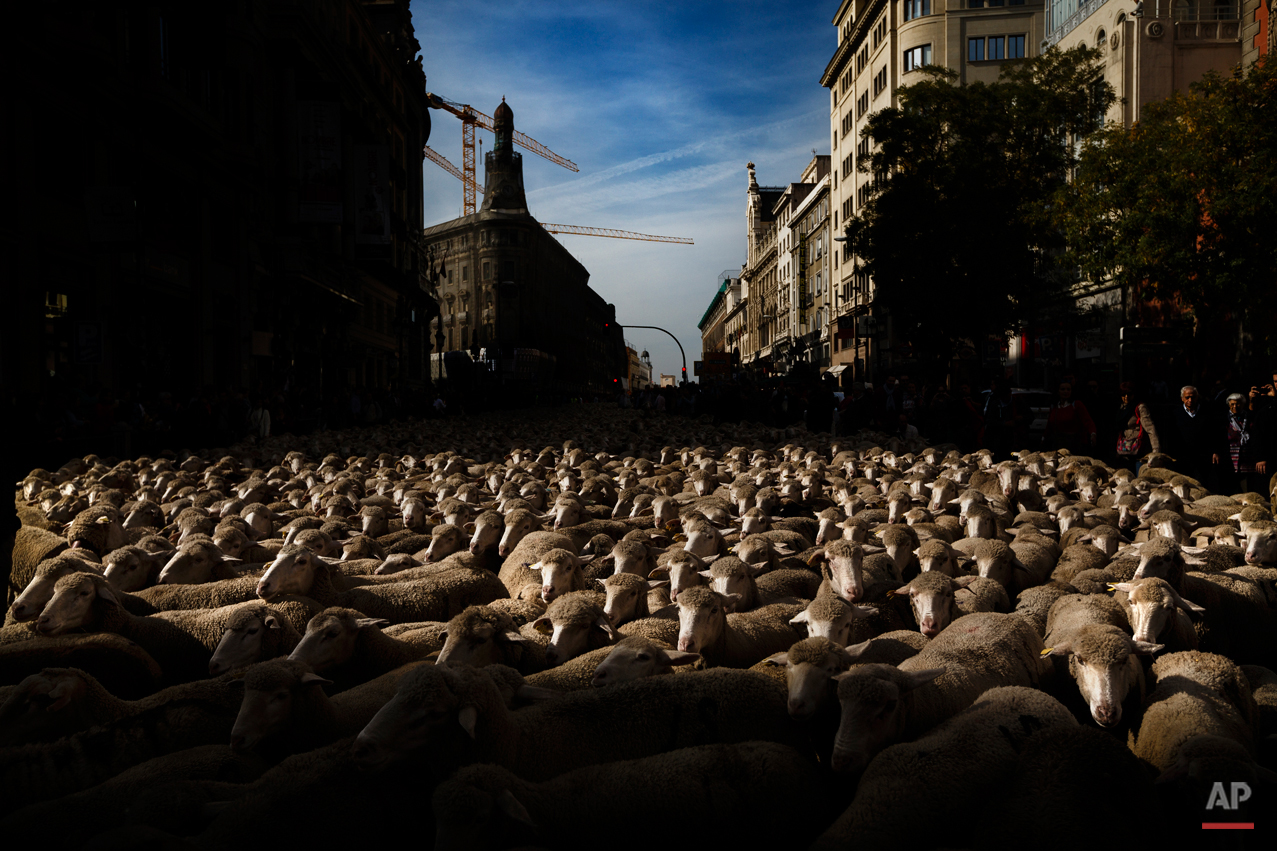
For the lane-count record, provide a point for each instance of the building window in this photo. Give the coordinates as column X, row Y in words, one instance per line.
column 975, row 49
column 1015, row 47
column 487, row 271
column 916, row 57
column 880, row 81
column 465, row 273
column 916, row 8
column 862, row 104
column 997, row 47
column 975, row 4
column 993, row 3
column 1100, row 38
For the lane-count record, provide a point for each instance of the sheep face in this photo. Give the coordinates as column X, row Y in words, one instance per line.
column 145, row 513
column 241, row 642
column 394, row 563
column 560, row 573
column 1158, row 558
column 625, row 593
column 1154, row 604
column 487, row 532
column 330, row 638
column 292, row 572
column 1262, row 547
column 810, row 665
column 702, row 619
column 664, row 509
column 444, row 541
column 635, row 658
column 703, row 540
column 567, row 512
column 571, row 638
column 129, row 569
column 422, row 711
column 943, row 491
column 413, row 510
column 192, row 564
column 1102, row 662
column 1161, row 499
column 845, row 561
column 71, row 605
column 683, row 573
column 931, row 596
column 830, row 617
column 872, row 717
column 478, row 637
column 267, row 707
column 39, row 590
column 631, row 557
column 517, row 526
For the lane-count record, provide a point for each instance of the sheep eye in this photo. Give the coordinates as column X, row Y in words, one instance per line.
column 253, row 631
column 643, row 657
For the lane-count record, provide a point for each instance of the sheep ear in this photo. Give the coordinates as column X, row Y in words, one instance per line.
column 902, row 591
column 779, row 660
column 309, row 677
column 535, row 693
column 917, row 678
column 681, row 657
column 514, row 637
column 854, row 651
column 545, row 626
column 603, row 624
column 1125, row 587
column 708, row 574
column 508, row 804
column 1147, row 648
column 364, row 623
column 663, row 571
column 800, row 618
column 469, row 527
column 271, row 622
column 730, row 601
column 467, row 717
column 586, row 559
column 1064, row 648
column 106, row 592
column 602, row 584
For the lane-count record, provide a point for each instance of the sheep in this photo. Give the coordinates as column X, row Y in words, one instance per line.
column 436, row 598
column 1090, row 630
column 1077, row 558
column 256, row 631
column 575, row 674
column 283, row 702
column 733, row 786
column 482, row 635
column 811, row 664
column 683, row 570
column 121, row 665
column 935, row 601
column 86, row 600
column 629, row 597
column 738, row 640
column 28, row 605
column 975, row 749
column 852, row 581
column 518, row 568
column 882, row 704
column 31, row 547
column 444, row 541
column 1195, row 693
column 830, row 616
column 1157, row 613
column 633, row 658
column 575, row 623
column 580, row 728
column 173, row 720
column 97, row 529
column 346, row 647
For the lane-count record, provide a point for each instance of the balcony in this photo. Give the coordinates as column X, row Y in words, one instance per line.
column 1199, row 19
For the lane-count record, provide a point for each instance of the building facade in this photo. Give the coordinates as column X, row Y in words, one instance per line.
column 215, row 204
column 512, row 296
column 881, row 44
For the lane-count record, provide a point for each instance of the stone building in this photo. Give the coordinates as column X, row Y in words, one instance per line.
column 881, row 43
column 229, row 201
column 512, row 296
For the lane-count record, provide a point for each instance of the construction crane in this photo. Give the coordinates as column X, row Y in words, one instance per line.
column 469, row 118
column 580, row 230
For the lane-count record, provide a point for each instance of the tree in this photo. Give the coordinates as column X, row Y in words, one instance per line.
column 953, row 235
column 1181, row 208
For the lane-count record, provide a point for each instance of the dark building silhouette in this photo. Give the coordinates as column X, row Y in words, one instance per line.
column 222, row 195
column 513, row 296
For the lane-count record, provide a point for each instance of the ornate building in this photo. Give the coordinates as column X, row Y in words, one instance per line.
column 512, row 296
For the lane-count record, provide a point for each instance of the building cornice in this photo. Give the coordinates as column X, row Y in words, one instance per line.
column 849, row 44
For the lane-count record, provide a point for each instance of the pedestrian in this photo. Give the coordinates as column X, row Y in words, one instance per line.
column 259, row 419
column 999, row 418
column 1136, row 434
column 1190, row 441
column 1241, row 453
column 1069, row 425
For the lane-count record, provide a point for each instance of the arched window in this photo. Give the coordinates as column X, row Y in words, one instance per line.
column 1184, row 10
column 1100, row 38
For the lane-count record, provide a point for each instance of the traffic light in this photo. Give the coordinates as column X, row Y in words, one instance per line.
column 684, row 375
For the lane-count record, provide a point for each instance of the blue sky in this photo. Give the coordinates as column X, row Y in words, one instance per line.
column 660, row 105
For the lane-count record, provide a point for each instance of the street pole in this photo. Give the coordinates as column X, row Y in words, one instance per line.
column 672, row 337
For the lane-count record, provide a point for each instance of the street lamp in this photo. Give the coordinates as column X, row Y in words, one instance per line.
column 671, row 336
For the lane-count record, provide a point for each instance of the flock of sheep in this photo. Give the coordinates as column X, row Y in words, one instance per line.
column 595, row 629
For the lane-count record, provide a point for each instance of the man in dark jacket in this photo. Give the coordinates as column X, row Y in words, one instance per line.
column 1193, row 435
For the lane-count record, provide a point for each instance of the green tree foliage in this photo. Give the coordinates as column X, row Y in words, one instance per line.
column 954, row 237
column 1182, row 206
